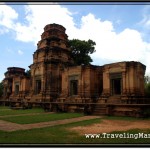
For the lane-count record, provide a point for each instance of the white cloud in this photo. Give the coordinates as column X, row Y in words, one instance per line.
column 20, row 52
column 127, row 45
column 38, row 19
column 7, row 16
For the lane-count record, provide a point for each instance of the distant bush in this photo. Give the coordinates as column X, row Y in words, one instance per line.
column 147, row 86
column 1, row 89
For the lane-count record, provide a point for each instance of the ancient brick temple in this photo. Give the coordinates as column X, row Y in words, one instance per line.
column 49, row 60
column 55, row 83
column 16, row 83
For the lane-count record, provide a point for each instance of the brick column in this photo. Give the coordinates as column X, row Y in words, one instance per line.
column 124, row 90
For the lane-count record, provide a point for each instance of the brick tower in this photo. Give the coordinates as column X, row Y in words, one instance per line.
column 50, row 58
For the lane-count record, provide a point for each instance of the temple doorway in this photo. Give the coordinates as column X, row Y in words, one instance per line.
column 73, row 87
column 16, row 89
column 116, row 84
column 38, row 86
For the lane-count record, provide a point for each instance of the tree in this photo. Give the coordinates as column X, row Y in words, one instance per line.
column 1, row 89
column 28, row 73
column 80, row 51
column 147, row 85
column 147, row 79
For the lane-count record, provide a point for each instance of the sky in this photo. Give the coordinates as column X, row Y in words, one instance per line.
column 121, row 32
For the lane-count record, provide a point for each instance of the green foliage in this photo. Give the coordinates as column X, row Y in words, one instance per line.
column 28, row 73
column 81, row 50
column 147, row 89
column 1, row 89
column 147, row 86
column 147, row 79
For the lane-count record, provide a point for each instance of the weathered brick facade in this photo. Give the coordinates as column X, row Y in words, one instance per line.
column 51, row 56
column 82, row 83
column 56, row 82
column 16, row 84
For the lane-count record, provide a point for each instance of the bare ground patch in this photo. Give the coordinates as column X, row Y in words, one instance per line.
column 107, row 126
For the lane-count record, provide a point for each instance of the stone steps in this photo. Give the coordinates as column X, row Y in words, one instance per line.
column 100, row 110
column 114, row 99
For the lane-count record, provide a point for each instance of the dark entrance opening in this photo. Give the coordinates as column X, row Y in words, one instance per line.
column 16, row 89
column 74, row 87
column 5, row 91
column 116, row 83
column 116, row 86
column 38, row 86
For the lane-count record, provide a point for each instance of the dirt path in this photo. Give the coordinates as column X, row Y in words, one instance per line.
column 107, row 126
column 8, row 126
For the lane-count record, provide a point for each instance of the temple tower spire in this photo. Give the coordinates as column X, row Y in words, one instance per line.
column 50, row 58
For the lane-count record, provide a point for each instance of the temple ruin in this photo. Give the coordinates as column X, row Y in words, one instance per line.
column 57, row 85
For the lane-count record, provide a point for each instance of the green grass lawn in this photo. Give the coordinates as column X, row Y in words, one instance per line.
column 35, row 118
column 121, row 118
column 4, row 111
column 40, row 117
column 125, row 118
column 49, row 135
column 61, row 135
column 3, row 107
